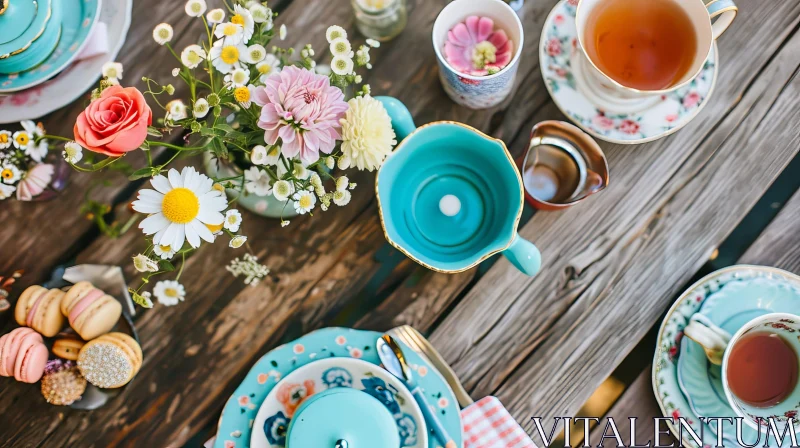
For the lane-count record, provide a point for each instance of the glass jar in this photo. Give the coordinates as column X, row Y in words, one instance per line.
column 381, row 20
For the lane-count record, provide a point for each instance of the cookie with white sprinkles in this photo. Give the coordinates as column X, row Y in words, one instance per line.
column 111, row 360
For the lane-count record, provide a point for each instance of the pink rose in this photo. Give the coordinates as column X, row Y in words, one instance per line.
column 691, row 100
column 602, row 122
column 115, row 123
column 554, row 47
column 558, row 19
column 629, row 127
column 671, row 117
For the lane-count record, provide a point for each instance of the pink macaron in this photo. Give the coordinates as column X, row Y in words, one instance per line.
column 23, row 355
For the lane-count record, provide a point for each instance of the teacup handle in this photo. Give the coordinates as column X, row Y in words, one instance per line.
column 713, row 339
column 726, row 11
column 524, row 255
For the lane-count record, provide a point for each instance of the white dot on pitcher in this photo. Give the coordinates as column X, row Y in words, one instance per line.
column 449, row 205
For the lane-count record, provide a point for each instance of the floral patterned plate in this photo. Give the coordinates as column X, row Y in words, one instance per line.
column 735, row 304
column 669, row 349
column 240, row 412
column 287, row 396
column 675, row 110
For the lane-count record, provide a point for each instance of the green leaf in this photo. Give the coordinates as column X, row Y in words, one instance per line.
column 154, row 132
column 165, row 265
column 141, row 173
column 225, row 127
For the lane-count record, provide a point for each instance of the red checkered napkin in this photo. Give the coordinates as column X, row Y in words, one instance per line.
column 487, row 424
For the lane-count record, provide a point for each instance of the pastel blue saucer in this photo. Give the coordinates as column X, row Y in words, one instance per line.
column 78, row 18
column 737, row 302
column 236, row 423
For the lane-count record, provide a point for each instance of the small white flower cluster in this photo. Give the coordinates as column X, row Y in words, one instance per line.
column 344, row 59
column 249, row 266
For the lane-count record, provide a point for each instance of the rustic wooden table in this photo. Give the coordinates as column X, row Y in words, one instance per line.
column 612, row 265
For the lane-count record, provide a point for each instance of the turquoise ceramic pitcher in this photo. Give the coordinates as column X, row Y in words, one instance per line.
column 450, row 196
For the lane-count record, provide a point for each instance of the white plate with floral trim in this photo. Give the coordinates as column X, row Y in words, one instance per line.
column 666, row 386
column 74, row 81
column 673, row 111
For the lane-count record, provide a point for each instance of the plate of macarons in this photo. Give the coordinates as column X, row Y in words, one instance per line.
column 76, row 340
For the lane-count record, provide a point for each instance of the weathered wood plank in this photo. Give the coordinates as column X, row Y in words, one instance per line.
column 779, row 245
column 612, row 264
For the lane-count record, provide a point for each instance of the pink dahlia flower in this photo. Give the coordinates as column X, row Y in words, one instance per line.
column 303, row 110
column 475, row 48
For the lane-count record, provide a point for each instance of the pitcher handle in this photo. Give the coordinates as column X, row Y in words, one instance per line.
column 713, row 339
column 402, row 122
column 524, row 255
column 726, row 11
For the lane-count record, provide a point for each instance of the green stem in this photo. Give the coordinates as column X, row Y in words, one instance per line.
column 55, row 137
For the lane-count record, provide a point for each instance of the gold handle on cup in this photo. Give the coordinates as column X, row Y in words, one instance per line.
column 724, row 11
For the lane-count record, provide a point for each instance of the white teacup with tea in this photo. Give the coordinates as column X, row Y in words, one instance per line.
column 631, row 53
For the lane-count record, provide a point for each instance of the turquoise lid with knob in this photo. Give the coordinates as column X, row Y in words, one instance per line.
column 29, row 32
column 342, row 418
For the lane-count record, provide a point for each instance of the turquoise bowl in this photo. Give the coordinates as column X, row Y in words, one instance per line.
column 474, row 174
column 29, row 33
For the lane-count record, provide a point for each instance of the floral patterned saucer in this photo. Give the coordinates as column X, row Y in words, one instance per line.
column 557, row 48
column 675, row 378
column 286, row 397
column 241, row 411
column 735, row 304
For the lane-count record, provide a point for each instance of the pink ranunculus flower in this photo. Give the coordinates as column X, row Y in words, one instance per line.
column 115, row 123
column 301, row 109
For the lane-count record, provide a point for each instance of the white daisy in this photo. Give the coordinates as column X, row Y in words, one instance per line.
column 200, row 108
column 73, row 152
column 112, row 71
column 165, row 252
column 238, row 241
column 6, row 191
column 261, row 14
column 163, row 33
column 36, row 151
column 180, row 208
column 244, row 95
column 241, row 16
column 227, row 56
column 282, row 190
column 169, row 292
column 256, row 53
column 282, row 32
column 239, row 77
column 176, row 111
column 258, row 155
column 304, row 202
column 342, row 66
column 335, row 32
column 193, row 55
column 230, row 32
column 268, row 67
column 257, row 182
column 341, row 197
column 143, row 263
column 195, row 8
column 21, row 139
column 341, row 47
column 273, row 155
column 5, row 139
column 233, row 219
column 216, row 16
column 10, row 174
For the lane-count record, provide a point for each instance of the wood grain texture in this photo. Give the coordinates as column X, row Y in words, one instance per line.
column 779, row 244
column 611, row 264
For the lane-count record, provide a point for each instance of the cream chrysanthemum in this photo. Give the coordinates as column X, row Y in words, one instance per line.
column 342, row 66
column 367, row 134
column 256, row 53
column 193, row 55
column 195, row 8
column 341, row 47
column 227, row 56
column 181, row 208
column 73, row 152
column 335, row 32
column 169, row 292
column 163, row 33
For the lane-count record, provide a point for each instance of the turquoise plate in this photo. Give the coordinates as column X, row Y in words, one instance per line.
column 235, row 424
column 736, row 303
column 672, row 347
column 78, row 19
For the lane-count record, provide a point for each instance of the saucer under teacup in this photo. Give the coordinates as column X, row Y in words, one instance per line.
column 734, row 305
column 634, row 122
column 675, row 380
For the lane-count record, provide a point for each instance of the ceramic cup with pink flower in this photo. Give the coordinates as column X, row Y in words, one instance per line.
column 478, row 45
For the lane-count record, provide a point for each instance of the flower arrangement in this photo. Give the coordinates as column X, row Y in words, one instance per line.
column 283, row 121
column 23, row 170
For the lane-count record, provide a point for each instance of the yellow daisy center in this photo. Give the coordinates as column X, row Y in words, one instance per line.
column 230, row 55
column 264, row 69
column 305, row 201
column 238, row 19
column 171, row 292
column 165, row 248
column 232, row 219
column 23, row 139
column 163, row 33
column 229, row 30
column 180, row 206
column 7, row 174
column 219, row 188
column 214, row 228
column 242, row 94
column 196, row 8
column 3, row 138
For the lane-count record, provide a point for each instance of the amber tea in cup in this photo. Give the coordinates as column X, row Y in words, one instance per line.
column 762, row 369
column 644, row 45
